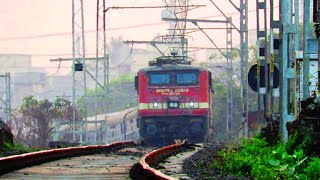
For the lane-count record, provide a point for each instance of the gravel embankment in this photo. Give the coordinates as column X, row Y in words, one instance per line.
column 198, row 165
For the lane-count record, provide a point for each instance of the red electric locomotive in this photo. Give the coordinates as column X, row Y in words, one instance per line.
column 175, row 101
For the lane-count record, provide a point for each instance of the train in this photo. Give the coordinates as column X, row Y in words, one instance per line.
column 175, row 101
column 111, row 127
column 116, row 126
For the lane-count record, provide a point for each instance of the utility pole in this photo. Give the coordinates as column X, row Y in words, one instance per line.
column 287, row 62
column 274, row 51
column 78, row 51
column 262, row 61
column 283, row 51
column 229, row 77
column 306, row 58
column 296, row 40
column 7, row 94
column 101, row 51
column 80, row 64
column 244, row 64
column 316, row 15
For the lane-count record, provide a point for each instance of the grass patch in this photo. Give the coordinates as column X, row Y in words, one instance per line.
column 9, row 149
column 255, row 158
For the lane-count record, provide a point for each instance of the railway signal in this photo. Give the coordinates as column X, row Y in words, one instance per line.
column 252, row 77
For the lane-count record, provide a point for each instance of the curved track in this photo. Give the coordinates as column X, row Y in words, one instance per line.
column 112, row 165
column 172, row 166
column 113, row 161
column 164, row 163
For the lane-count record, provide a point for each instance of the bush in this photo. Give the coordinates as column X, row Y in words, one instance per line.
column 312, row 171
column 255, row 158
column 10, row 149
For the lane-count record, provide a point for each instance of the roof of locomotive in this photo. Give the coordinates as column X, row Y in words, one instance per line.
column 171, row 63
column 172, row 67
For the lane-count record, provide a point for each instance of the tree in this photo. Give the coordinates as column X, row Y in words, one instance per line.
column 33, row 122
column 220, row 96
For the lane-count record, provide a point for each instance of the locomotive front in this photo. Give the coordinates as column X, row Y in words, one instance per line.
column 174, row 103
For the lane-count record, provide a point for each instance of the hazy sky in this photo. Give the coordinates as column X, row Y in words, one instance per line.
column 43, row 27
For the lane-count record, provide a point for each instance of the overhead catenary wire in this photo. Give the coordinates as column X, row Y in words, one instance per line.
column 109, row 29
column 124, row 59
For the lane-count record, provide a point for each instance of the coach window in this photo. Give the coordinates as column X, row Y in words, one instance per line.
column 187, row 78
column 159, row 79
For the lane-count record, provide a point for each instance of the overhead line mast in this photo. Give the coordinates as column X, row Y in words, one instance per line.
column 78, row 51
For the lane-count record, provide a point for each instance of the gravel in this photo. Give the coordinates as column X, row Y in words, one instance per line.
column 198, row 165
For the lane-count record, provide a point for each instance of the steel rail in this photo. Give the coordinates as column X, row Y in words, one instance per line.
column 11, row 163
column 144, row 170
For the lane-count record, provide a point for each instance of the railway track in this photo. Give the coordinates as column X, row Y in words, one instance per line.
column 108, row 165
column 172, row 166
column 117, row 161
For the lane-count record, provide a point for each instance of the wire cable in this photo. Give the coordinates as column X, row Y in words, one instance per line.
column 123, row 60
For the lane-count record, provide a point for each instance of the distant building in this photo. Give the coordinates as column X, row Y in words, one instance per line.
column 26, row 84
column 25, row 79
column 15, row 63
column 60, row 86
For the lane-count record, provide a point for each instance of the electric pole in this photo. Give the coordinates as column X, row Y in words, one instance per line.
column 6, row 101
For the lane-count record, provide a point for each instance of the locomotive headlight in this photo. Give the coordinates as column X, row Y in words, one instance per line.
column 175, row 105
column 171, row 104
column 191, row 103
column 155, row 104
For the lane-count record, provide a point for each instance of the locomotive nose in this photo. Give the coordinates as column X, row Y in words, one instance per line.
column 196, row 128
column 173, row 102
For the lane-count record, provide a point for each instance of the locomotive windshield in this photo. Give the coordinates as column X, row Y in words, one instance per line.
column 186, row 78
column 179, row 78
column 159, row 78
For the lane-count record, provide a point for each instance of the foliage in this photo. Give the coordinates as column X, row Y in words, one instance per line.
column 33, row 121
column 294, row 143
column 250, row 160
column 286, row 165
column 256, row 159
column 303, row 135
column 220, row 110
column 312, row 171
column 123, row 97
column 128, row 78
column 235, row 53
column 19, row 148
column 219, row 98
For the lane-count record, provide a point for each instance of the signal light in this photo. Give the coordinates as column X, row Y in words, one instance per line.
column 78, row 67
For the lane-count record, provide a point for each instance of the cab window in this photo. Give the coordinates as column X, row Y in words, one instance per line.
column 187, row 78
column 159, row 79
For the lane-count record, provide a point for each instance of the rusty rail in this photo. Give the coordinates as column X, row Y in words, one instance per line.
column 16, row 162
column 143, row 169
